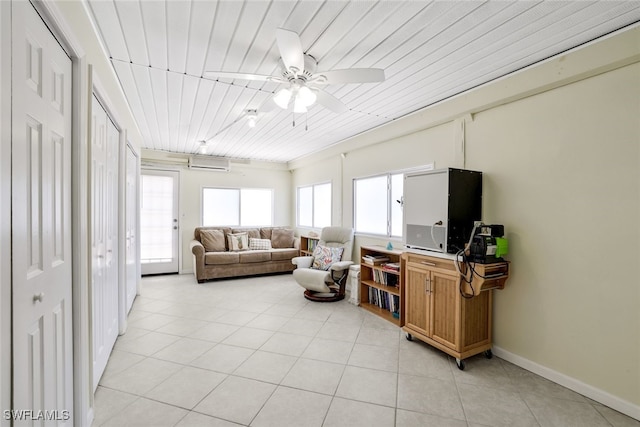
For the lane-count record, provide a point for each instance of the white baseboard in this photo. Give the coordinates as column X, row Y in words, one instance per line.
column 587, row 390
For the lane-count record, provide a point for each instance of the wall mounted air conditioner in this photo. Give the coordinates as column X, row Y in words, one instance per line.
column 209, row 163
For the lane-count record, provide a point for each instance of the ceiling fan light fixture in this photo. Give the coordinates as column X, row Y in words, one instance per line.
column 306, row 96
column 282, row 98
column 298, row 106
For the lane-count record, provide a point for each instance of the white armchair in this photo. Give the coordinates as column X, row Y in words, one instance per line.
column 324, row 274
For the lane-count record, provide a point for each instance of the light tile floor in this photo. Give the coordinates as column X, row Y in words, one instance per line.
column 254, row 352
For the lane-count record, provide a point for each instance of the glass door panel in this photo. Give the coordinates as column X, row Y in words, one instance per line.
column 159, row 228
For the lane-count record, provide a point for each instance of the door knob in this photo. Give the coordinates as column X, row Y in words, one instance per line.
column 38, row 297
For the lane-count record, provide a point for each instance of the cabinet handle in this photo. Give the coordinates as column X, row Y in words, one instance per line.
column 426, row 285
column 432, row 264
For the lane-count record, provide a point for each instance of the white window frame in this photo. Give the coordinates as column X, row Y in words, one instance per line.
column 239, row 189
column 313, row 219
column 389, row 203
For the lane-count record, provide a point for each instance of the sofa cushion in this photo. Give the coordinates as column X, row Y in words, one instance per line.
column 324, row 256
column 284, row 254
column 212, row 240
column 255, row 256
column 252, row 233
column 264, row 244
column 238, row 242
column 282, row 238
column 221, row 258
column 265, row 233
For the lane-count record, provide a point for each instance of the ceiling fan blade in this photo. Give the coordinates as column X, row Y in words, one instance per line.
column 351, row 75
column 241, row 76
column 290, row 49
column 331, row 102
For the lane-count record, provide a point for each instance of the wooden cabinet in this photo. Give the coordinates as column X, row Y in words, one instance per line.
column 381, row 283
column 308, row 244
column 436, row 311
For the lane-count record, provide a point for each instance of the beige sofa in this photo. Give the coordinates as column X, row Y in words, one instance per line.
column 213, row 258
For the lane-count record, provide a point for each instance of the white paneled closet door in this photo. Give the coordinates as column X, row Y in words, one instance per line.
column 42, row 341
column 132, row 269
column 104, row 237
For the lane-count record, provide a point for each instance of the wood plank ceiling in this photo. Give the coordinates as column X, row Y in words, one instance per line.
column 429, row 51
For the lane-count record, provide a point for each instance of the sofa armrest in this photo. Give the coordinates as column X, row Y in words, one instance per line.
column 296, row 243
column 340, row 265
column 197, row 249
column 302, row 261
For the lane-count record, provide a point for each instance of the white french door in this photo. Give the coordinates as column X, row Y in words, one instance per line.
column 159, row 225
column 41, row 219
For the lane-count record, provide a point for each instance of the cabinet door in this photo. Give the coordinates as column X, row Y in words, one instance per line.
column 417, row 300
column 445, row 310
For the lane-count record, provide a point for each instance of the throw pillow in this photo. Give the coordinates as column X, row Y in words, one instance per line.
column 324, row 256
column 252, row 233
column 212, row 240
column 282, row 238
column 238, row 242
column 256, row 244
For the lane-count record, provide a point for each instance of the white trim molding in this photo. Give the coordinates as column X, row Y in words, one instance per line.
column 601, row 396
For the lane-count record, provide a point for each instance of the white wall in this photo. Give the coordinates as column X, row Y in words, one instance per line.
column 563, row 176
column 559, row 148
column 251, row 175
column 5, row 207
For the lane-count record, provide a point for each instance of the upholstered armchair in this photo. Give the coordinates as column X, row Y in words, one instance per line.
column 324, row 274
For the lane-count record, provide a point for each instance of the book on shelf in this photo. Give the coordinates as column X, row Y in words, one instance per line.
column 374, row 259
column 312, row 244
column 384, row 300
column 384, row 278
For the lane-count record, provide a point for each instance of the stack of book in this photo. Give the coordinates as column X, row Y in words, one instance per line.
column 393, row 267
column 374, row 259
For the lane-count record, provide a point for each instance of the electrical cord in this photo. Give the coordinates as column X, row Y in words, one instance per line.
column 469, row 281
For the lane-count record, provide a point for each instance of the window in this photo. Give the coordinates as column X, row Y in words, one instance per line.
column 314, row 206
column 376, row 206
column 244, row 207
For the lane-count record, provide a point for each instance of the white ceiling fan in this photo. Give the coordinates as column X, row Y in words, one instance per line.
column 303, row 81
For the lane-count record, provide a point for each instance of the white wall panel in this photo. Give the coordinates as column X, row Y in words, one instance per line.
column 155, row 25
column 178, row 24
column 203, row 16
column 132, row 25
column 109, row 24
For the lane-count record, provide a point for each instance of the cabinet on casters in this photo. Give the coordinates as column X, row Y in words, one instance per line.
column 437, row 313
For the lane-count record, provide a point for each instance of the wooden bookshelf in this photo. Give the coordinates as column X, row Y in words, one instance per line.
column 382, row 289
column 307, row 244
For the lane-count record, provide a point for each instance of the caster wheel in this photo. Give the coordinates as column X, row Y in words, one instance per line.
column 460, row 364
column 409, row 337
column 488, row 354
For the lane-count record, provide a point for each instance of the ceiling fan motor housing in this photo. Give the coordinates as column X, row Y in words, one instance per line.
column 310, row 66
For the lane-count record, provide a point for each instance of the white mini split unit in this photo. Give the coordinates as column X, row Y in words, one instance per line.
column 209, row 163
